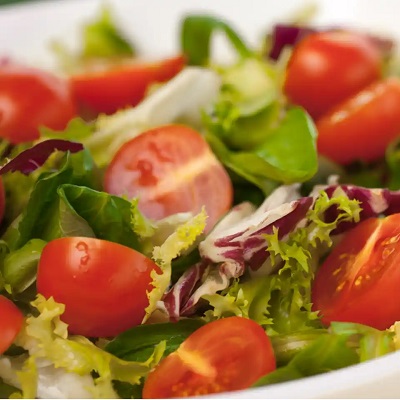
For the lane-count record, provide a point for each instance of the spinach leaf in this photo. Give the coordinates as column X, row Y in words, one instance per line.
column 137, row 344
column 99, row 214
column 78, row 169
column 288, row 153
column 196, row 34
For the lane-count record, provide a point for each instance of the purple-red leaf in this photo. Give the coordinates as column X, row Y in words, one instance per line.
column 33, row 158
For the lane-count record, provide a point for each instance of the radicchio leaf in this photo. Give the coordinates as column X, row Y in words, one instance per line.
column 286, row 35
column 33, row 158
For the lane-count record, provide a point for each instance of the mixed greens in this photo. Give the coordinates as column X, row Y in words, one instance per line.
column 291, row 206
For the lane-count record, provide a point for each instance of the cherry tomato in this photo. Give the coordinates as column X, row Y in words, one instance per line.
column 2, row 200
column 224, row 355
column 359, row 281
column 171, row 169
column 327, row 67
column 11, row 320
column 362, row 127
column 30, row 98
column 102, row 284
column 109, row 90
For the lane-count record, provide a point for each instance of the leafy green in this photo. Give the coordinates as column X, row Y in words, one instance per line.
column 281, row 302
column 393, row 162
column 180, row 240
column 108, row 216
column 288, row 153
column 372, row 343
column 196, row 35
column 7, row 390
column 46, row 337
column 19, row 267
column 344, row 344
column 138, row 343
column 101, row 38
column 77, row 169
column 326, row 353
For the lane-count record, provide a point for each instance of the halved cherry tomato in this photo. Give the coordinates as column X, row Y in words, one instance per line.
column 30, row 98
column 362, row 127
column 102, row 284
column 11, row 320
column 359, row 281
column 327, row 67
column 106, row 91
column 224, row 355
column 171, row 169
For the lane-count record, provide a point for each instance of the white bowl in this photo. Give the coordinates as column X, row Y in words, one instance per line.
column 25, row 32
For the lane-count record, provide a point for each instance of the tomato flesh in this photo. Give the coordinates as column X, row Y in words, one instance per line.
column 359, row 280
column 109, row 90
column 11, row 320
column 171, row 169
column 362, row 127
column 102, row 284
column 30, row 98
column 328, row 67
column 224, row 355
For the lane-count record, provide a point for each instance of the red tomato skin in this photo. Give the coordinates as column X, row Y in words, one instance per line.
column 102, row 284
column 122, row 86
column 362, row 127
column 172, row 169
column 224, row 355
column 328, row 67
column 30, row 98
column 359, row 280
column 11, row 321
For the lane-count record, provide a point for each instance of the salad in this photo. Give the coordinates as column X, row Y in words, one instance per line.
column 183, row 227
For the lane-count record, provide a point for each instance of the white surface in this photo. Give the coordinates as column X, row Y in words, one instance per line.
column 25, row 31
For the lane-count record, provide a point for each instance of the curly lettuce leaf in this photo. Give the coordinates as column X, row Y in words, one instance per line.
column 182, row 239
column 46, row 338
column 281, row 302
column 196, row 34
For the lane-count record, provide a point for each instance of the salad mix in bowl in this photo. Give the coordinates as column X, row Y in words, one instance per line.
column 184, row 227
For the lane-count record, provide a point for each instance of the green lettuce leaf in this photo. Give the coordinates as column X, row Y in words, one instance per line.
column 326, row 353
column 101, row 38
column 19, row 267
column 180, row 240
column 342, row 345
column 46, row 338
column 196, row 35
